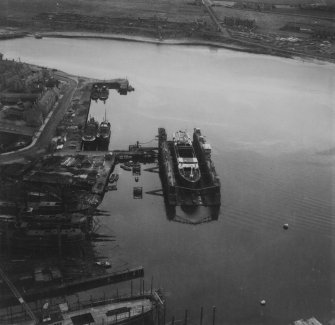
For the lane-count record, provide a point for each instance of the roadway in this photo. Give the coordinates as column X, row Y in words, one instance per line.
column 208, row 7
column 45, row 135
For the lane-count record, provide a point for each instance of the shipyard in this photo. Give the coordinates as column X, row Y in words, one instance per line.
column 167, row 162
column 50, row 199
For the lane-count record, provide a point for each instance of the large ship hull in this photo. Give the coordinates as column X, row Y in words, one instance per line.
column 89, row 137
column 186, row 160
column 103, row 136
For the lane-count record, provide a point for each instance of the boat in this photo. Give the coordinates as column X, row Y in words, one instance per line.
column 90, row 132
column 104, row 92
column 38, row 36
column 104, row 264
column 104, row 134
column 112, row 187
column 125, row 167
column 114, row 178
column 95, row 93
column 188, row 166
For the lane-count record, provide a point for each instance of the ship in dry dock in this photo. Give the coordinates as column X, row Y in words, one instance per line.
column 104, row 93
column 95, row 94
column 176, row 190
column 103, row 135
column 187, row 161
column 90, row 133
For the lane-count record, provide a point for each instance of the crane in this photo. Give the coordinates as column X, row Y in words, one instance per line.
column 19, row 297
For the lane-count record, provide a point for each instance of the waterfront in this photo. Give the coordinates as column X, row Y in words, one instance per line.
column 270, row 122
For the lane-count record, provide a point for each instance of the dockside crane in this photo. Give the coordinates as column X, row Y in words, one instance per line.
column 19, row 297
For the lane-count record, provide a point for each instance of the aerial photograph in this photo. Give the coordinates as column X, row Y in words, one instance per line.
column 167, row 162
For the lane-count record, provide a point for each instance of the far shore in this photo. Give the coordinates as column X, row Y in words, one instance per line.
column 229, row 44
column 193, row 42
column 253, row 48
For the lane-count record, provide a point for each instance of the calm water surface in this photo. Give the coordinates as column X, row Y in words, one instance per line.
column 271, row 125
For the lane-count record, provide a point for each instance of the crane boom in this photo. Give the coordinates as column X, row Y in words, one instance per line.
column 17, row 294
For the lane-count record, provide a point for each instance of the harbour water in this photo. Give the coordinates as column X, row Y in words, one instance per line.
column 270, row 122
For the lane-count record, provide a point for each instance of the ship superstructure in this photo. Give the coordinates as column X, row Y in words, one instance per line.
column 187, row 162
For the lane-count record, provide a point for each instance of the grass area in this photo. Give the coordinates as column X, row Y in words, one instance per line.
column 172, row 9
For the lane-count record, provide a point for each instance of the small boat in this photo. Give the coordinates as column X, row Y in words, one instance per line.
column 104, row 264
column 112, row 187
column 188, row 166
column 129, row 163
column 104, row 93
column 38, row 36
column 114, row 178
column 126, row 167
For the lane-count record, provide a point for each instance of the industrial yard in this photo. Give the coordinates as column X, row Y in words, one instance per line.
column 49, row 198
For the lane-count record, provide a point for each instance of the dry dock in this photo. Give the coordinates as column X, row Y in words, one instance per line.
column 206, row 193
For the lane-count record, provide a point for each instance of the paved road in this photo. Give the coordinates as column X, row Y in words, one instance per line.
column 215, row 19
column 48, row 132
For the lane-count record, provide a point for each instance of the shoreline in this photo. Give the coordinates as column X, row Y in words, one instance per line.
column 256, row 49
column 229, row 44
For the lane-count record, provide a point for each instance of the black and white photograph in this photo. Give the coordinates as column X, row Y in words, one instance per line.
column 167, row 162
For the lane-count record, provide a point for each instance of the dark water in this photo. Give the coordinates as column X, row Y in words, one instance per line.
column 270, row 123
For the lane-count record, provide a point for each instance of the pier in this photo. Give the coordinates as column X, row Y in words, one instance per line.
column 121, row 85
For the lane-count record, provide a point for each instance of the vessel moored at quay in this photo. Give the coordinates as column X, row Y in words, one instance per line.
column 90, row 133
column 104, row 134
column 104, row 92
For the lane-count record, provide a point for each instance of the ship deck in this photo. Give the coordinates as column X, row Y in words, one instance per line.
column 206, row 192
